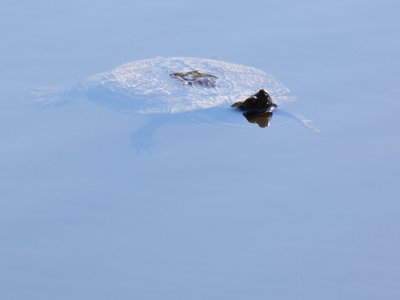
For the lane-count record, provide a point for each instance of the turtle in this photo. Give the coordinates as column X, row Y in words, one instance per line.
column 261, row 101
column 175, row 86
column 258, row 108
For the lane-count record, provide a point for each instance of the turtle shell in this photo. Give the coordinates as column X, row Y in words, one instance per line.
column 178, row 84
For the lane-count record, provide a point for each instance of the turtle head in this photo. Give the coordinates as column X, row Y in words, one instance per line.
column 263, row 94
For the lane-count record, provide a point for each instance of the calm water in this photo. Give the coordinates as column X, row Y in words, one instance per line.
column 205, row 210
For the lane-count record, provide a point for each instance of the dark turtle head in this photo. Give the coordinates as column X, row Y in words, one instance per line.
column 258, row 108
column 263, row 97
column 262, row 93
column 261, row 101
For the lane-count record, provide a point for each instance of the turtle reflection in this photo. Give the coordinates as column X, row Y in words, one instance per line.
column 257, row 108
column 262, row 118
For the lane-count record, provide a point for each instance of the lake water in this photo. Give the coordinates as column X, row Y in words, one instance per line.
column 93, row 207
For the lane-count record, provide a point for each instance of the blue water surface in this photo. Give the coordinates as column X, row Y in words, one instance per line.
column 94, row 207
